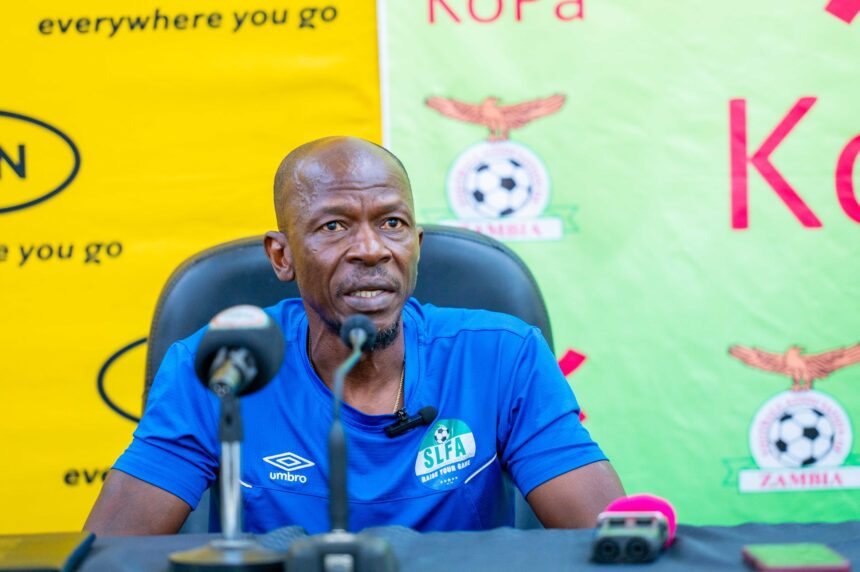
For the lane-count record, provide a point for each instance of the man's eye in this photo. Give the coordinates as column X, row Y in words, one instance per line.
column 332, row 226
column 393, row 223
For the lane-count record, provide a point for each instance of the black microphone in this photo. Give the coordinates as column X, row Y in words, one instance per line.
column 358, row 331
column 339, row 549
column 240, row 352
column 405, row 423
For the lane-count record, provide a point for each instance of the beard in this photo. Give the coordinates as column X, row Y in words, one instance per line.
column 385, row 337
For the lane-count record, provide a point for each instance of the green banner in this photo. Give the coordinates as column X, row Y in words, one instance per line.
column 681, row 179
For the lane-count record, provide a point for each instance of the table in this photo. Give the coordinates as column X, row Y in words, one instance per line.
column 697, row 548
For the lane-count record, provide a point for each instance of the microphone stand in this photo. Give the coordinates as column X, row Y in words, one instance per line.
column 233, row 552
column 339, row 550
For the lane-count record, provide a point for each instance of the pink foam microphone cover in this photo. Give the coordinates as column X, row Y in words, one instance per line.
column 650, row 503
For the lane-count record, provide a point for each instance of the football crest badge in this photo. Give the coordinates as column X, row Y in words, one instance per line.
column 800, row 439
column 444, row 458
column 500, row 187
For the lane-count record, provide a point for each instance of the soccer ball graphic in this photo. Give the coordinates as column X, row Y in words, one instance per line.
column 441, row 434
column 498, row 187
column 801, row 437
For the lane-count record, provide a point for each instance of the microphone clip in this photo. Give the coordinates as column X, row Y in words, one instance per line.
column 402, row 416
column 406, row 423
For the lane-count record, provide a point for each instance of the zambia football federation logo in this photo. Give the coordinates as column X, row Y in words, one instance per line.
column 500, row 187
column 800, row 439
column 445, row 454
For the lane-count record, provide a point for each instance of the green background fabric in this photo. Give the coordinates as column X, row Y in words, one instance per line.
column 650, row 281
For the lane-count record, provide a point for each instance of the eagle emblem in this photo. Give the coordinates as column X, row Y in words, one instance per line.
column 499, row 119
column 802, row 368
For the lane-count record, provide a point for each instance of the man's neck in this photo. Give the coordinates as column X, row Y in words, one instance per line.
column 374, row 384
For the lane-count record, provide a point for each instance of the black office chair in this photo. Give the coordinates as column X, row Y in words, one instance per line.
column 458, row 268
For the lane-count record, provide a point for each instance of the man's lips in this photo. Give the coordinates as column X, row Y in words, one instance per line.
column 366, row 293
column 367, row 287
column 369, row 300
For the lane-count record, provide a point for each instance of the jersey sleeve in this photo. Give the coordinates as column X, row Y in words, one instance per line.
column 175, row 444
column 540, row 435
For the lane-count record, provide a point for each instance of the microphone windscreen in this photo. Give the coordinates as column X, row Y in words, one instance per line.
column 647, row 503
column 358, row 322
column 247, row 327
column 428, row 414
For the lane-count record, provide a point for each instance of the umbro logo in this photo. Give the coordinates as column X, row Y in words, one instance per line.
column 288, row 462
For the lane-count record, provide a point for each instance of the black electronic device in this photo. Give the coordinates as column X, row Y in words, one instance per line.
column 240, row 353
column 339, row 550
column 629, row 536
column 406, row 423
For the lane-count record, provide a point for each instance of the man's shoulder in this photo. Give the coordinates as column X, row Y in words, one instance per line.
column 288, row 314
column 441, row 322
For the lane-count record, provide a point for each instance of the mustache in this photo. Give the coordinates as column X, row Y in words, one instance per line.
column 376, row 278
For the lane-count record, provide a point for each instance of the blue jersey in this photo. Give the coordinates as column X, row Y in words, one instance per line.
column 502, row 402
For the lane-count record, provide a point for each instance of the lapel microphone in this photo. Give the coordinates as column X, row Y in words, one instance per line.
column 405, row 423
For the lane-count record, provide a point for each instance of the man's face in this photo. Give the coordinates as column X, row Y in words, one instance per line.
column 352, row 236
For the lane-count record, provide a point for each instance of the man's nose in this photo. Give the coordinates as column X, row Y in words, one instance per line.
column 368, row 247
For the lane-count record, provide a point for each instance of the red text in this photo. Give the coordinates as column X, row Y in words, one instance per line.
column 740, row 160
column 489, row 11
column 803, row 480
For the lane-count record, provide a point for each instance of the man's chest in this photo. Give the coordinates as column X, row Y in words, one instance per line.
column 286, row 446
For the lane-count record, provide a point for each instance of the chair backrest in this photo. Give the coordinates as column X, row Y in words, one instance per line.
column 458, row 268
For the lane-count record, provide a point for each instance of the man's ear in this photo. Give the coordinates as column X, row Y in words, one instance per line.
column 278, row 251
column 420, row 239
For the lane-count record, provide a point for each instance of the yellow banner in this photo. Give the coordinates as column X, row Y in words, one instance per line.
column 131, row 138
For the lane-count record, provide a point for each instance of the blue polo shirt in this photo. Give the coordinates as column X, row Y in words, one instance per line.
column 502, row 402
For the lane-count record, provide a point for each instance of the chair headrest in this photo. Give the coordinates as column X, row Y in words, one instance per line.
column 458, row 268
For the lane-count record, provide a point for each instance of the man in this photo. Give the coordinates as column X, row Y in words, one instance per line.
column 347, row 235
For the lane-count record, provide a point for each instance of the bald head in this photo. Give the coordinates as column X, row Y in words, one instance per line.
column 347, row 162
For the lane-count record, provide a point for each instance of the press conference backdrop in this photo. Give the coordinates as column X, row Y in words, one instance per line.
column 161, row 125
column 680, row 177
